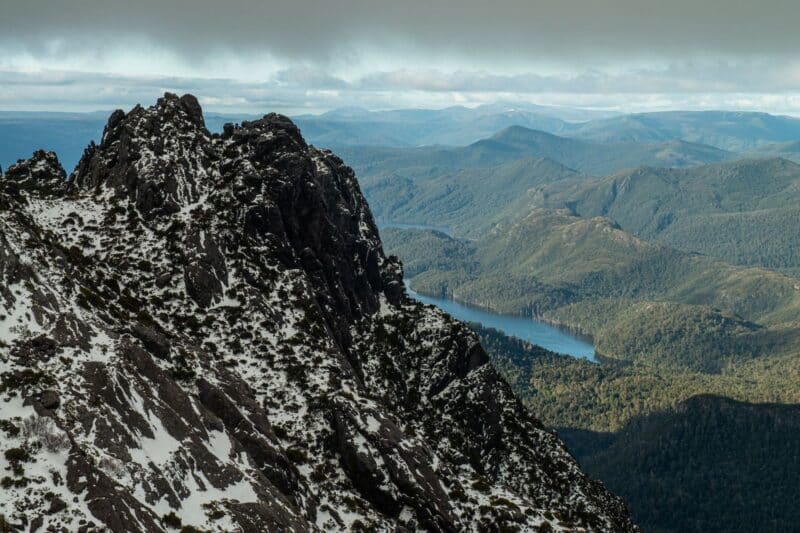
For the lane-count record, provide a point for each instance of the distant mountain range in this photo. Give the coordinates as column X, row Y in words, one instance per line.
column 728, row 130
column 68, row 133
column 471, row 188
column 453, row 126
column 517, row 142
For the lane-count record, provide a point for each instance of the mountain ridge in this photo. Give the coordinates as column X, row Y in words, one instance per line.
column 212, row 337
column 736, row 211
column 728, row 130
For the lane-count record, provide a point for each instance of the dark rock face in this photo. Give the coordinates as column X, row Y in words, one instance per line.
column 42, row 173
column 212, row 335
column 49, row 399
column 154, row 341
column 155, row 159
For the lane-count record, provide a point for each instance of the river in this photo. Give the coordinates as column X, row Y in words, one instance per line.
column 533, row 331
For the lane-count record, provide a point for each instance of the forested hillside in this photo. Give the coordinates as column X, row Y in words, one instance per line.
column 741, row 212
column 711, row 464
column 685, row 456
column 472, row 201
column 475, row 187
column 640, row 301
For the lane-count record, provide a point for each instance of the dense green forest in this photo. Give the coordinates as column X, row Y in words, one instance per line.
column 710, row 464
column 568, row 392
column 787, row 150
column 473, row 200
column 740, row 212
column 684, row 455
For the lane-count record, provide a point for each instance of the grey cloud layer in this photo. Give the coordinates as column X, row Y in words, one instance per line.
column 314, row 54
column 301, row 90
column 316, row 30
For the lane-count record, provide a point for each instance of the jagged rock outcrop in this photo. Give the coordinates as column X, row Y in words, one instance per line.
column 42, row 173
column 202, row 330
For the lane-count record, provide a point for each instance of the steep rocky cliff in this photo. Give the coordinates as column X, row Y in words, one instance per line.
column 202, row 331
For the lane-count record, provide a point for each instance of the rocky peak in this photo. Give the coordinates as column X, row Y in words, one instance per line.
column 212, row 337
column 155, row 156
column 275, row 127
column 41, row 173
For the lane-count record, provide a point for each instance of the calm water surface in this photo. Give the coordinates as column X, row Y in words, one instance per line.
column 533, row 331
column 400, row 225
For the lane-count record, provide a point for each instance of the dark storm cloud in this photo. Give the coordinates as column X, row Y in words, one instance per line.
column 512, row 30
column 315, row 55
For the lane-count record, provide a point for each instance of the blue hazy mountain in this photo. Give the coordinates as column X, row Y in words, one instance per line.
column 452, row 126
column 729, row 130
column 518, row 142
column 68, row 133
column 458, row 126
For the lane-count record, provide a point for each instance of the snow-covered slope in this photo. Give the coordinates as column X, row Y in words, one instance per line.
column 203, row 330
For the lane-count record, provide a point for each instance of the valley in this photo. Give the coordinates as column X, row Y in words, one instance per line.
column 639, row 301
column 683, row 272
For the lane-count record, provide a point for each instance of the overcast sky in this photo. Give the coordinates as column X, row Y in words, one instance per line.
column 312, row 55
